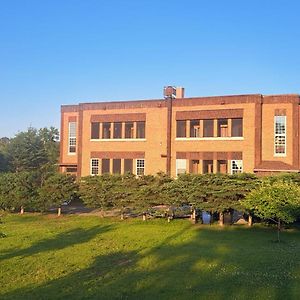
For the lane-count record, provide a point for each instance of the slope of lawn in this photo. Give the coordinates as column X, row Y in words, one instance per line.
column 76, row 257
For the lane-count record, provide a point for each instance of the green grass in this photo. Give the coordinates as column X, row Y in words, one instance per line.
column 76, row 257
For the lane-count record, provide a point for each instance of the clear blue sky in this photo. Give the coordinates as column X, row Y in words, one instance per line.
column 68, row 51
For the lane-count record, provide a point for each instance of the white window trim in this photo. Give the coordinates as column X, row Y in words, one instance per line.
column 176, row 166
column 118, row 140
column 280, row 154
column 233, row 138
column 91, row 166
column 136, row 167
column 72, row 137
column 231, row 170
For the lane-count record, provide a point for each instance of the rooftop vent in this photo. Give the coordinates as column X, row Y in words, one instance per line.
column 173, row 92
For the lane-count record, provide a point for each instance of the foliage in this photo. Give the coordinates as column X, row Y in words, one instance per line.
column 18, row 190
column 277, row 201
column 56, row 190
column 33, row 149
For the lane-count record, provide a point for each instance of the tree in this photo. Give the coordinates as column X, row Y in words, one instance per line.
column 34, row 150
column 278, row 201
column 4, row 165
column 7, row 186
column 56, row 190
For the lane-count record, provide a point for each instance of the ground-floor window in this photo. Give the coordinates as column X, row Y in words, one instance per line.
column 128, row 166
column 180, row 166
column 208, row 166
column 140, row 167
column 105, row 166
column 236, row 166
column 94, row 166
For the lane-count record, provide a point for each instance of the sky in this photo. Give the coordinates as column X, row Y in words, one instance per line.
column 70, row 51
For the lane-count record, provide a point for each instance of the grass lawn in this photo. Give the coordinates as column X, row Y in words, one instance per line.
column 76, row 257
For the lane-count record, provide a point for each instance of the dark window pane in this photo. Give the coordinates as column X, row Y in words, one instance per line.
column 181, row 129
column 129, row 130
column 117, row 130
column 222, row 127
column 222, row 166
column 71, row 170
column 140, row 130
column 106, row 130
column 208, row 128
column 95, row 133
column 195, row 128
column 105, row 166
column 128, row 165
column 116, row 166
column 207, row 166
column 194, row 166
column 237, row 127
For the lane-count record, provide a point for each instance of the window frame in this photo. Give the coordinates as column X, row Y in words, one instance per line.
column 236, row 161
column 93, row 166
column 72, row 138
column 278, row 136
column 137, row 167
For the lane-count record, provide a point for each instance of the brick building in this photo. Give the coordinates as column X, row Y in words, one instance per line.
column 228, row 134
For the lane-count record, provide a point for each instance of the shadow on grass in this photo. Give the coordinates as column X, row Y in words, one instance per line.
column 214, row 264
column 60, row 241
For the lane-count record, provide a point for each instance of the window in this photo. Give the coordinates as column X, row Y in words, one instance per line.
column 208, row 128
column 236, row 166
column 222, row 127
column 117, row 130
column 195, row 128
column 106, row 130
column 72, row 137
column 105, row 166
column 237, row 127
column 181, row 129
column 128, row 166
column 194, row 166
column 94, row 166
column 140, row 167
column 116, row 166
column 140, row 130
column 71, row 170
column 280, row 136
column 180, row 166
column 129, row 130
column 208, row 167
column 95, row 130
column 222, row 166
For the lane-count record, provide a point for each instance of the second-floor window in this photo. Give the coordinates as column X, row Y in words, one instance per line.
column 72, row 137
column 129, row 130
column 208, row 128
column 195, row 128
column 117, row 130
column 181, row 128
column 95, row 130
column 237, row 127
column 280, row 135
column 106, row 128
column 140, row 130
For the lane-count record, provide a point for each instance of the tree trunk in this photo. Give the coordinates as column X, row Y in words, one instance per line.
column 278, row 231
column 194, row 217
column 59, row 211
column 250, row 220
column 22, row 210
column 221, row 221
